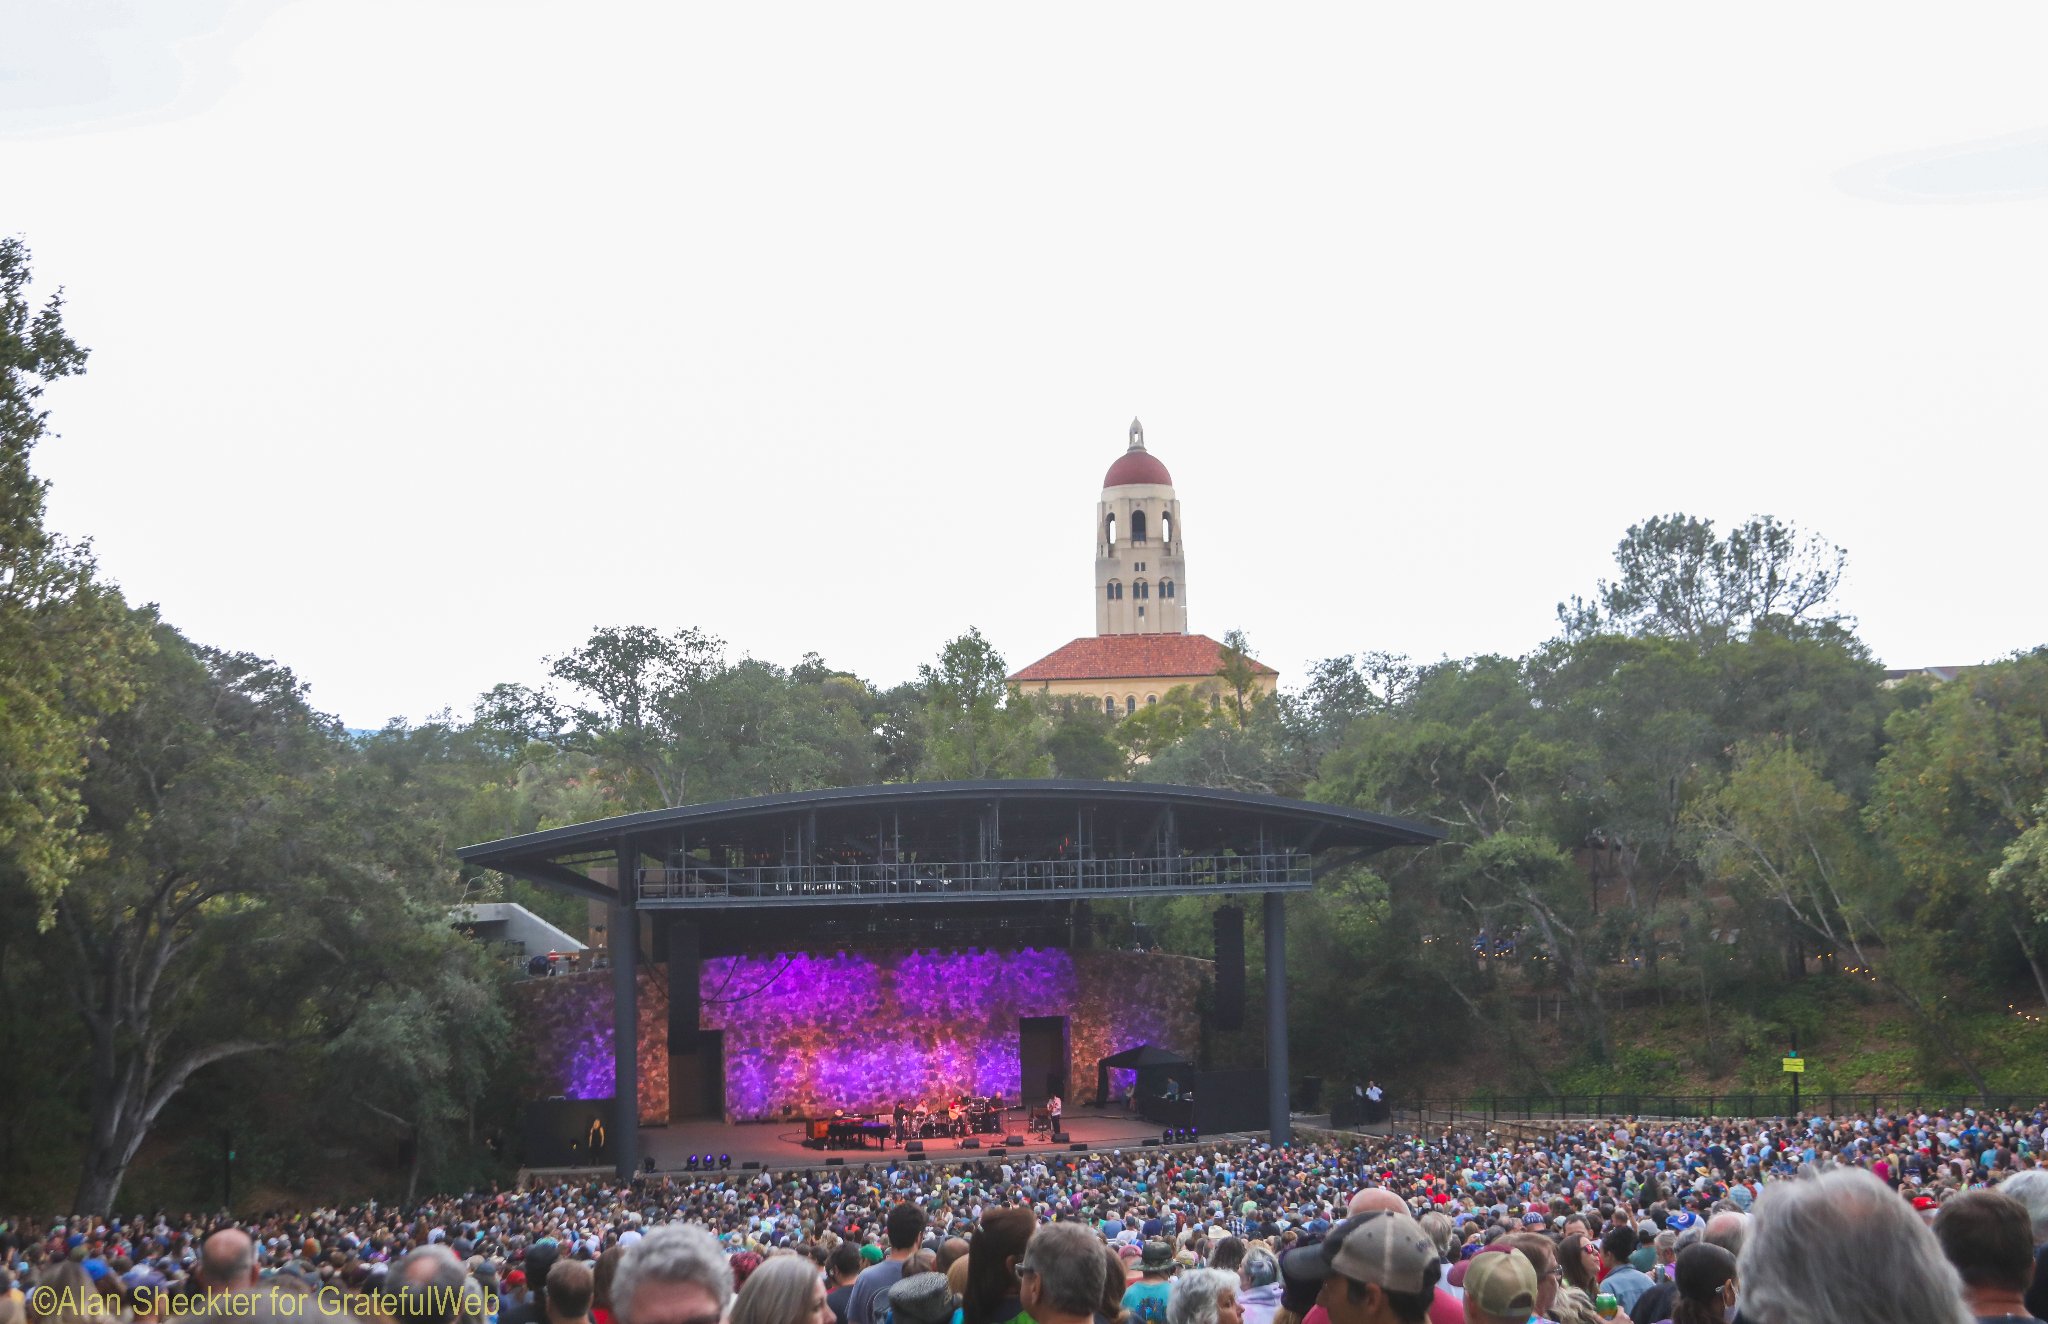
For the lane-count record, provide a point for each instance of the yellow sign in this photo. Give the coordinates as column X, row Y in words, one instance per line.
column 1796, row 1065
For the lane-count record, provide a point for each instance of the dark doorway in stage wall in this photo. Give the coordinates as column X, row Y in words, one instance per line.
column 1042, row 1053
column 696, row 1080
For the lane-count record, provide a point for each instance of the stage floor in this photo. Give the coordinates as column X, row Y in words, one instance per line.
column 780, row 1144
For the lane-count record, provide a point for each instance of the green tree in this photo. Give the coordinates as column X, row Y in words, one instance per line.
column 1677, row 577
column 1776, row 827
column 249, row 890
column 1473, row 751
column 1966, row 767
column 1081, row 743
column 977, row 724
column 67, row 644
column 1158, row 727
column 1239, row 676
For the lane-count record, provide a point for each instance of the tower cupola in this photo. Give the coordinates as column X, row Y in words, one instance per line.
column 1140, row 568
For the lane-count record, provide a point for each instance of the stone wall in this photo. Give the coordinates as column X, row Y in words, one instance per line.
column 565, row 1028
column 810, row 1033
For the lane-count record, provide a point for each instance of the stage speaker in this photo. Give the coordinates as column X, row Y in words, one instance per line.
column 1229, row 1013
column 835, row 1162
column 1061, row 1137
column 971, row 1142
column 1151, row 1142
column 751, row 1165
column 914, row 1147
column 998, row 1152
column 1018, row 1141
column 1079, row 1147
column 918, row 1158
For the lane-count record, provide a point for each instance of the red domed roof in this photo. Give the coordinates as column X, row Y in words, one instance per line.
column 1137, row 466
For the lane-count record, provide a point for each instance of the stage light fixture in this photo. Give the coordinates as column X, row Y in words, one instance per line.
column 725, row 1160
column 647, row 1164
column 692, row 1163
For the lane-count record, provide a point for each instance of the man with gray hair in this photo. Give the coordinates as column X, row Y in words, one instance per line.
column 227, row 1262
column 1061, row 1275
column 676, row 1274
column 430, row 1284
column 1726, row 1230
column 2030, row 1188
column 1843, row 1246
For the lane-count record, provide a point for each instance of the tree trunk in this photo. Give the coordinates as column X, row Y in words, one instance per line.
column 412, row 1177
column 98, row 1184
column 2033, row 960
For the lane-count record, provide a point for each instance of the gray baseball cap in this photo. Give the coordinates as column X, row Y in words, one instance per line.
column 1380, row 1247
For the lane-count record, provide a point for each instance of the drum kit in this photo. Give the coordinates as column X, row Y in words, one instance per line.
column 961, row 1117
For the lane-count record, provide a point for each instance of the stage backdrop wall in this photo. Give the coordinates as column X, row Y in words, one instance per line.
column 807, row 1034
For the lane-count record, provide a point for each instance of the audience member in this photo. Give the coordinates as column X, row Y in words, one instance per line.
column 676, row 1274
column 1061, row 1275
column 785, row 1289
column 905, row 1227
column 1500, row 1288
column 1989, row 1238
column 1204, row 1296
column 1839, row 1246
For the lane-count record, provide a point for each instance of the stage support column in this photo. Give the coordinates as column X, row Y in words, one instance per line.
column 623, row 937
column 1279, row 1122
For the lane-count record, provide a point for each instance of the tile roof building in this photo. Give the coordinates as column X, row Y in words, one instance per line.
column 1141, row 648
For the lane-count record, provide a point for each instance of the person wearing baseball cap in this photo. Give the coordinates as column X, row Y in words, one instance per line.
column 1500, row 1288
column 1374, row 1268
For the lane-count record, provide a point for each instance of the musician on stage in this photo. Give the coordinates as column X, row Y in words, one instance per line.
column 1052, row 1109
column 902, row 1122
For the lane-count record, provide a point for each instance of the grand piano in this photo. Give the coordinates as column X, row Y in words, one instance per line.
column 846, row 1133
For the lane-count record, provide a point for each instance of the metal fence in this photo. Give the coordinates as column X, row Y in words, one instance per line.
column 824, row 883
column 1555, row 1107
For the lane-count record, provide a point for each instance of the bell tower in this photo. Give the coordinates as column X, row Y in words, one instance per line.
column 1140, row 566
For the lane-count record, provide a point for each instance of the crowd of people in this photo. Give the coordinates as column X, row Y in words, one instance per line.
column 1887, row 1217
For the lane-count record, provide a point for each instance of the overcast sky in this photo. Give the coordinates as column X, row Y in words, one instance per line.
column 428, row 336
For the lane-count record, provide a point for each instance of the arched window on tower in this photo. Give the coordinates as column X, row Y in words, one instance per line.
column 1166, row 529
column 1130, row 704
column 1137, row 527
column 1109, row 704
column 1109, row 530
column 1165, row 588
column 1114, row 590
column 1141, row 590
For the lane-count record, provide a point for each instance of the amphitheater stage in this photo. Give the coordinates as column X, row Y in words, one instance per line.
column 780, row 1145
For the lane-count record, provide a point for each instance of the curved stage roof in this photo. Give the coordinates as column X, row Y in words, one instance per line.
column 1011, row 841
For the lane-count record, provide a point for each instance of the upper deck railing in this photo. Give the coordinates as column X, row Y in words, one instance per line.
column 696, row 884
